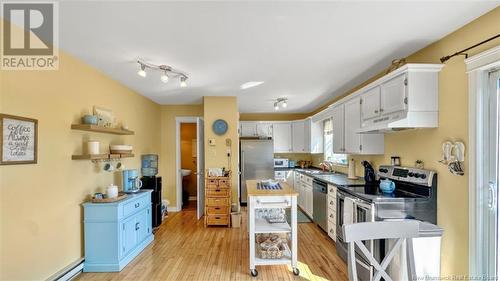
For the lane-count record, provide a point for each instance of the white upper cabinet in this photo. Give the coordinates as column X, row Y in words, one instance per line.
column 256, row 129
column 403, row 99
column 282, row 137
column 248, row 129
column 298, row 137
column 265, row 130
column 371, row 103
column 315, row 135
column 356, row 143
column 393, row 97
column 338, row 128
column 352, row 116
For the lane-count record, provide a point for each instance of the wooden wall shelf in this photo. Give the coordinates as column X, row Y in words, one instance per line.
column 100, row 156
column 100, row 129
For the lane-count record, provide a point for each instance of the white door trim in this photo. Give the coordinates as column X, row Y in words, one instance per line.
column 478, row 67
column 178, row 177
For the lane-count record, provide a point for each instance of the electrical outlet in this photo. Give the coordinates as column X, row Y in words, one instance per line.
column 211, row 142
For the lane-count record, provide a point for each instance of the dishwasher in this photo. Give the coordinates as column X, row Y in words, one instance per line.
column 320, row 198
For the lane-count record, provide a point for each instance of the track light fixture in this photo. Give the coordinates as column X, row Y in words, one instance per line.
column 142, row 71
column 282, row 101
column 167, row 72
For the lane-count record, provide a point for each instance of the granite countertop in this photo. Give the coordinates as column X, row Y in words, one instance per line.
column 337, row 179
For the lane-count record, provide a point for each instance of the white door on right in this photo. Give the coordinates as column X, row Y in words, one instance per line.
column 393, row 95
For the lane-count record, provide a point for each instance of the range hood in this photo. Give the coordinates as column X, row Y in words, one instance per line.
column 398, row 121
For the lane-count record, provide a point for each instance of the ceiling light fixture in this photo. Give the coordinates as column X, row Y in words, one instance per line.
column 167, row 72
column 183, row 83
column 164, row 77
column 282, row 101
column 250, row 84
column 142, row 71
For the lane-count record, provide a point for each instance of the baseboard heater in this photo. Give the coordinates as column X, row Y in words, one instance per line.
column 69, row 272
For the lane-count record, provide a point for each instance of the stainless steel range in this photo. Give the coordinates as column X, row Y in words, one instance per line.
column 414, row 197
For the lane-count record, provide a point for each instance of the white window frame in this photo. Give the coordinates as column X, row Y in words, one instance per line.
column 478, row 67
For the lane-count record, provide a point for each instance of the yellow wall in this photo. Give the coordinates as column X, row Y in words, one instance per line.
column 41, row 213
column 168, row 145
column 426, row 144
column 188, row 134
column 225, row 108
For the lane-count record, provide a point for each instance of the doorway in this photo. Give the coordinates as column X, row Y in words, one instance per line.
column 484, row 128
column 190, row 188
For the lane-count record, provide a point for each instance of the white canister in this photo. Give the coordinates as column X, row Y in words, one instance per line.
column 93, row 147
column 112, row 191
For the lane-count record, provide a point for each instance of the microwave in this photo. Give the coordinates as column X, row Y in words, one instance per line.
column 280, row 163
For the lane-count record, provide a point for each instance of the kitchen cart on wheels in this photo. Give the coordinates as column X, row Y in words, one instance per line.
column 263, row 201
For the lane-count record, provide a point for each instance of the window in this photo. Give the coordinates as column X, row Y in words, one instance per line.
column 328, row 145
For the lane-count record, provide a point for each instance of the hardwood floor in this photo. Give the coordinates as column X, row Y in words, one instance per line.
column 184, row 250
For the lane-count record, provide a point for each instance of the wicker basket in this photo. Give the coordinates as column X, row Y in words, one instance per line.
column 270, row 246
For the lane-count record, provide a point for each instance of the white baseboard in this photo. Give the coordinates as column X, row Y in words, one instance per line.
column 172, row 209
column 193, row 198
column 69, row 272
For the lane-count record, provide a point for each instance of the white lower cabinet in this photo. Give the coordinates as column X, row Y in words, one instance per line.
column 332, row 212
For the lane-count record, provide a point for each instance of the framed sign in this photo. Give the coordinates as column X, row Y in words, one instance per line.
column 19, row 140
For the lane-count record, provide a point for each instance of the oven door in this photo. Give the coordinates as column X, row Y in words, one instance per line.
column 363, row 212
column 340, row 214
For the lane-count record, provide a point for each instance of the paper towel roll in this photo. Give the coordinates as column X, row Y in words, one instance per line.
column 351, row 174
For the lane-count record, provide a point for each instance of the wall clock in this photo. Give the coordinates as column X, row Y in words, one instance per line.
column 219, row 127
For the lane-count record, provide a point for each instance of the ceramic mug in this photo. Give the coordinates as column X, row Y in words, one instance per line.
column 120, row 166
column 108, row 167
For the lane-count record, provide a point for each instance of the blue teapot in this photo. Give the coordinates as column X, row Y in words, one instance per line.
column 387, row 186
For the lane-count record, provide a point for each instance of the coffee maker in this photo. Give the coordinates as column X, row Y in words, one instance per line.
column 131, row 181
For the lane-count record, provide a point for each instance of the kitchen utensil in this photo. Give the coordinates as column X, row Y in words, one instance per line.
column 112, row 191
column 387, row 186
column 89, row 119
column 93, row 147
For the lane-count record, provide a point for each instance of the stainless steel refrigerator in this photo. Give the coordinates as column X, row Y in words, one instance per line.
column 256, row 162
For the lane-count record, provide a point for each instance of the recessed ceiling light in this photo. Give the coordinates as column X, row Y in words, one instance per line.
column 250, row 84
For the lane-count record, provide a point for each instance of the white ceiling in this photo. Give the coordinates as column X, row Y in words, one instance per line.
column 306, row 51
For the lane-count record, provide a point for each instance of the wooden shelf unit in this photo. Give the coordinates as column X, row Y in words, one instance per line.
column 100, row 129
column 100, row 156
column 218, row 200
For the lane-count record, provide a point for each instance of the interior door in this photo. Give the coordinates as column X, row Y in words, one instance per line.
column 490, row 179
column 393, row 95
column 200, row 167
